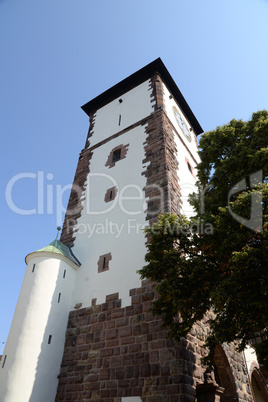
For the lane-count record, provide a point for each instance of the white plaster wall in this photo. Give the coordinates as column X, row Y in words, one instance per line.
column 136, row 105
column 250, row 357
column 124, row 237
column 186, row 149
column 115, row 227
column 32, row 365
column 169, row 103
column 187, row 180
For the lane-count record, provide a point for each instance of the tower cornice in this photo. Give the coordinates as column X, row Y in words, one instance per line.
column 155, row 67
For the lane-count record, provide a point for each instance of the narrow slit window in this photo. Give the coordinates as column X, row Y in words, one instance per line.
column 33, row 268
column 4, row 361
column 119, row 120
column 64, row 273
column 49, row 339
column 189, row 167
column 59, row 296
column 110, row 194
column 117, row 155
column 103, row 262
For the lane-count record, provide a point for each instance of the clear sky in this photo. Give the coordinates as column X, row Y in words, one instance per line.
column 56, row 55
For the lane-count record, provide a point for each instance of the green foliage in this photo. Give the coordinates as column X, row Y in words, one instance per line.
column 224, row 270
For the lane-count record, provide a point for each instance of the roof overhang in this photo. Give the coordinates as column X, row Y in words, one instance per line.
column 49, row 255
column 157, row 66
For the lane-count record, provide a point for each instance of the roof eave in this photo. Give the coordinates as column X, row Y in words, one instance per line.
column 157, row 66
column 49, row 254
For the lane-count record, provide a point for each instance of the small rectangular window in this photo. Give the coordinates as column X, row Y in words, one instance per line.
column 49, row 339
column 110, row 194
column 189, row 167
column 103, row 262
column 64, row 273
column 117, row 155
column 4, row 361
column 33, row 268
column 119, row 121
column 59, row 297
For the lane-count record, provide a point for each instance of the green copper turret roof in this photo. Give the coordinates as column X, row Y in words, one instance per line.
column 57, row 247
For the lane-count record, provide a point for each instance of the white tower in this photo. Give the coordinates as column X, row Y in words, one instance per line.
column 34, row 348
column 139, row 160
column 82, row 321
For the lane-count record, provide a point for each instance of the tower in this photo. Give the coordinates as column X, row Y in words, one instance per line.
column 138, row 161
column 127, row 174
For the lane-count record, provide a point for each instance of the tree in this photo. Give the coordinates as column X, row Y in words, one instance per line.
column 217, row 261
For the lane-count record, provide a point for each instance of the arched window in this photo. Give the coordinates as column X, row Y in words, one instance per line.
column 219, row 384
column 258, row 386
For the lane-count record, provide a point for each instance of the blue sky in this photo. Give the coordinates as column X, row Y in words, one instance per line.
column 57, row 55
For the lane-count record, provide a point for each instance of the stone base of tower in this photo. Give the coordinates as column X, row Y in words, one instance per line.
column 113, row 353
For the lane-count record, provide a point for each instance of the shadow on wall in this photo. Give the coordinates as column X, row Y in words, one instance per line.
column 223, row 374
column 258, row 384
column 49, row 360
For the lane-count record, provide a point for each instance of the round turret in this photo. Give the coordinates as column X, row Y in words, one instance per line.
column 33, row 352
